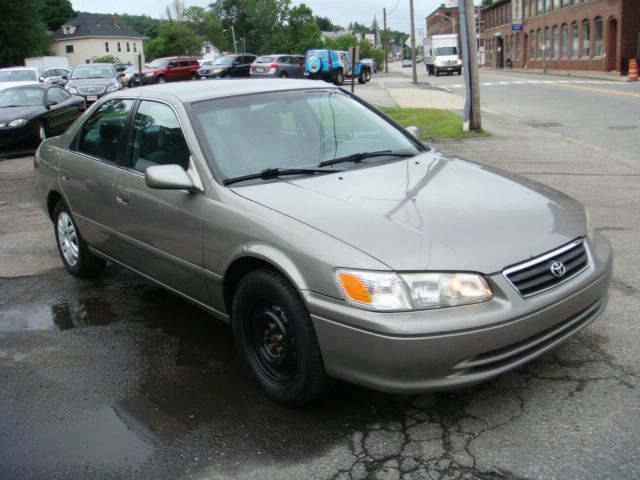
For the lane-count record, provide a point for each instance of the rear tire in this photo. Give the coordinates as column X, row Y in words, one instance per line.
column 193, row 76
column 74, row 252
column 339, row 78
column 361, row 78
column 275, row 339
column 284, row 75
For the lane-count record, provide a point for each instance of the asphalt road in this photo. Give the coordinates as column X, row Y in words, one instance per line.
column 115, row 378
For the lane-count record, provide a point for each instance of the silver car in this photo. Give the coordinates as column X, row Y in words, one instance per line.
column 346, row 249
column 277, row 65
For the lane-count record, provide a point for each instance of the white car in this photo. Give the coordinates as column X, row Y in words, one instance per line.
column 19, row 76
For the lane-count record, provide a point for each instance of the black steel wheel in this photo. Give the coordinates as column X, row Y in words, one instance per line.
column 74, row 252
column 276, row 340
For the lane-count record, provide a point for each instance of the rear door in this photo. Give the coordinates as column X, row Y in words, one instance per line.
column 88, row 171
column 161, row 230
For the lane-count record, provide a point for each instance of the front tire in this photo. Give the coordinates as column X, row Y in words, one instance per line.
column 275, row 339
column 161, row 79
column 41, row 133
column 74, row 252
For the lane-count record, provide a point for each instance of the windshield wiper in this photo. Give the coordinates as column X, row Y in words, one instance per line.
column 358, row 157
column 271, row 173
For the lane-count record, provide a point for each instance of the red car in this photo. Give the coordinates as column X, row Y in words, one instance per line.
column 167, row 69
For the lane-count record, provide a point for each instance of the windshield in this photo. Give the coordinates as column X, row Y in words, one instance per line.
column 21, row 97
column 318, row 53
column 90, row 71
column 206, row 63
column 223, row 61
column 18, row 76
column 442, row 51
column 159, row 63
column 293, row 129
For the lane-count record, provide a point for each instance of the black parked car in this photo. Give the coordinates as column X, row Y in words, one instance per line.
column 32, row 113
column 228, row 66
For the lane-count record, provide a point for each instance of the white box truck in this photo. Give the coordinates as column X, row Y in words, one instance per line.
column 47, row 62
column 441, row 54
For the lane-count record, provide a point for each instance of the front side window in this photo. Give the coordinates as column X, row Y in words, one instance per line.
column 295, row 129
column 157, row 138
column 101, row 134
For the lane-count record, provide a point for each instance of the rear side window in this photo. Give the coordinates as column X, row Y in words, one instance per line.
column 157, row 138
column 101, row 134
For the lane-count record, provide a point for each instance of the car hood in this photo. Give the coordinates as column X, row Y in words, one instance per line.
column 4, row 85
column 430, row 213
column 86, row 82
column 13, row 113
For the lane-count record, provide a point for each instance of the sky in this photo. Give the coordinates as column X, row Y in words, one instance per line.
column 340, row 12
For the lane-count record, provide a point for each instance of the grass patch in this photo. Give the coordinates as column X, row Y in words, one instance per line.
column 434, row 123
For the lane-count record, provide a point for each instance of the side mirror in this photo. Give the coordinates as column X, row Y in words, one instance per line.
column 168, row 177
column 51, row 103
column 65, row 78
column 415, row 131
column 41, row 79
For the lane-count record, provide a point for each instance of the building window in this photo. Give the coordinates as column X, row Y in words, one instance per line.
column 556, row 4
column 565, row 3
column 540, row 48
column 68, row 48
column 119, row 46
column 539, row 9
column 106, row 47
column 586, row 38
column 532, row 45
column 135, row 47
column 128, row 47
column 517, row 47
column 556, row 42
column 547, row 5
column 575, row 35
column 547, row 43
column 565, row 40
column 597, row 37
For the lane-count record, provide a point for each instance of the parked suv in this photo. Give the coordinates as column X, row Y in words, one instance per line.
column 229, row 66
column 333, row 66
column 170, row 68
column 93, row 81
column 277, row 65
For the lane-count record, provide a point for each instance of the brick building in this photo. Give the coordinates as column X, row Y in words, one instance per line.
column 442, row 21
column 596, row 35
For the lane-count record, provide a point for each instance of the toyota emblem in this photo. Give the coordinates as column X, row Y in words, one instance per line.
column 558, row 269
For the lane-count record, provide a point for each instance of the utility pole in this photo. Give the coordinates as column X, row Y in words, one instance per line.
column 414, row 73
column 233, row 36
column 470, row 64
column 386, row 42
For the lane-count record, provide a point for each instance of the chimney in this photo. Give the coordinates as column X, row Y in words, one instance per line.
column 116, row 20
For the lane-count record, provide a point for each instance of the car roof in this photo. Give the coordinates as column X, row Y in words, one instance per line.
column 40, row 86
column 82, row 65
column 21, row 68
column 188, row 92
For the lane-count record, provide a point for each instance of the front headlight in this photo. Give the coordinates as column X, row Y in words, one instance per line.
column 387, row 291
column 437, row 63
column 148, row 74
column 113, row 87
column 19, row 122
column 459, row 62
column 217, row 70
column 72, row 89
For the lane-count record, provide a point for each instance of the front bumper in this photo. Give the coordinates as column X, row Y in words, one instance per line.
column 449, row 348
column 17, row 135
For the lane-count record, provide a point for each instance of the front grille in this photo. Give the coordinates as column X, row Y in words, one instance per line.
column 92, row 89
column 537, row 275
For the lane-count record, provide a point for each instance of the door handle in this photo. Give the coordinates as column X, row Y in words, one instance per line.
column 66, row 178
column 122, row 199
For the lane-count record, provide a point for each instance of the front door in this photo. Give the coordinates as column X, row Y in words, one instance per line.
column 161, row 230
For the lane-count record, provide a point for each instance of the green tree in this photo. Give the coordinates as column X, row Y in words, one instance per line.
column 206, row 24
column 302, row 32
column 174, row 38
column 23, row 33
column 56, row 12
column 144, row 24
column 106, row 59
column 324, row 24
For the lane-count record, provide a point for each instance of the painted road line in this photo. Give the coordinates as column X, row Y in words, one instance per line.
column 600, row 90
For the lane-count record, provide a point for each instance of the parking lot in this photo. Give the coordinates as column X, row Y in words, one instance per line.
column 116, row 378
